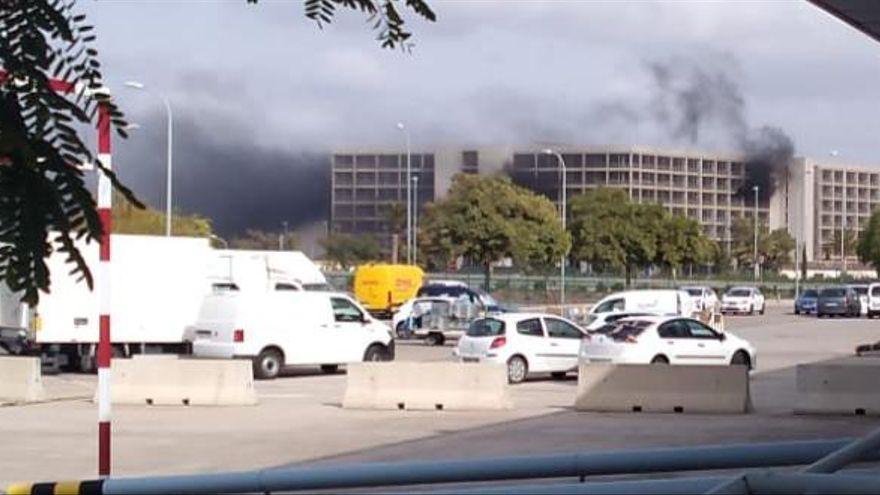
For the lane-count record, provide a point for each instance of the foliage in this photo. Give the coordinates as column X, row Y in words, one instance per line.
column 349, row 250
column 383, row 16
column 609, row 229
column 850, row 243
column 869, row 242
column 488, row 219
column 261, row 240
column 44, row 202
column 129, row 219
column 774, row 248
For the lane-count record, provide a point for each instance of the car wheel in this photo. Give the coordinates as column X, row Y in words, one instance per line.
column 558, row 375
column 797, row 311
column 517, row 369
column 763, row 307
column 435, row 338
column 375, row 353
column 740, row 358
column 660, row 360
column 329, row 368
column 268, row 364
column 751, row 310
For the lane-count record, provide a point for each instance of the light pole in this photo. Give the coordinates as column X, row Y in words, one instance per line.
column 409, row 236
column 170, row 147
column 282, row 237
column 558, row 156
column 755, row 253
column 415, row 187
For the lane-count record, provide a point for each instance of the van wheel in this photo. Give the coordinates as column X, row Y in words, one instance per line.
column 435, row 338
column 329, row 368
column 375, row 353
column 660, row 360
column 517, row 369
column 268, row 364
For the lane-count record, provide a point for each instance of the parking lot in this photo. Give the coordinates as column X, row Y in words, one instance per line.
column 300, row 419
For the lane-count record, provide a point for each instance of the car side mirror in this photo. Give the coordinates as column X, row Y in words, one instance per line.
column 365, row 319
column 722, row 337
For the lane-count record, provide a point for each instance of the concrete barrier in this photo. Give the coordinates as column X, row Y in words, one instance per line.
column 160, row 380
column 20, row 379
column 662, row 388
column 841, row 386
column 426, row 386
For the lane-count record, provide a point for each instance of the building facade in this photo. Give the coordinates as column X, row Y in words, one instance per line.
column 811, row 200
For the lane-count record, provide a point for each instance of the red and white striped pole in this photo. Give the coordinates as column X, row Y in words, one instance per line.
column 105, row 194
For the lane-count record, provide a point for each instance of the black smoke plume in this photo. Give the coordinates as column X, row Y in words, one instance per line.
column 221, row 172
column 696, row 101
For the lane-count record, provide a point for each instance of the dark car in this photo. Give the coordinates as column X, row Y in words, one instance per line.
column 806, row 302
column 841, row 301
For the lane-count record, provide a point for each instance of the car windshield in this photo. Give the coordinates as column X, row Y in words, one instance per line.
column 739, row 293
column 695, row 292
column 833, row 292
column 810, row 293
column 860, row 290
column 487, row 327
column 441, row 290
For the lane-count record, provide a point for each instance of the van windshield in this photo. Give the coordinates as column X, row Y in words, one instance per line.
column 609, row 306
column 860, row 290
column 487, row 327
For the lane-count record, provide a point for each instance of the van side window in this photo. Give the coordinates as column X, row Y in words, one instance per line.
column 345, row 311
column 530, row 327
column 609, row 306
column 283, row 286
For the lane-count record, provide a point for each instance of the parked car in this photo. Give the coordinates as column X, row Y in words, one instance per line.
column 665, row 340
column 704, row 297
column 861, row 291
column 873, row 300
column 660, row 302
column 806, row 302
column 283, row 328
column 743, row 300
column 524, row 342
column 839, row 300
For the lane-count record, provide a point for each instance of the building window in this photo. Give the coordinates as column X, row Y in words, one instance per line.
column 470, row 162
column 343, row 161
column 365, row 162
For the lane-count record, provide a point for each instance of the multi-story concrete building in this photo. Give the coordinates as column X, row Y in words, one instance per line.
column 712, row 188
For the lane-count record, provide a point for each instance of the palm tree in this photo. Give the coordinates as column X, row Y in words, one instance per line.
column 396, row 218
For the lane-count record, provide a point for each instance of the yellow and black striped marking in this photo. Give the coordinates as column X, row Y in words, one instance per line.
column 89, row 487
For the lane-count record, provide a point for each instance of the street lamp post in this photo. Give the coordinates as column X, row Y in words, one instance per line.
column 558, row 156
column 409, row 236
column 755, row 252
column 415, row 187
column 282, row 237
column 169, row 155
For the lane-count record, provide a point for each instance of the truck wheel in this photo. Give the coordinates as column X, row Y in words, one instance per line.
column 268, row 364
column 329, row 368
column 435, row 338
column 376, row 353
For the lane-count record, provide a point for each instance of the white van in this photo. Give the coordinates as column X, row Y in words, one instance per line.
column 278, row 329
column 656, row 302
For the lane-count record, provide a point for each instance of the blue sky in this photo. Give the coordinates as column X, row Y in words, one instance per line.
column 263, row 78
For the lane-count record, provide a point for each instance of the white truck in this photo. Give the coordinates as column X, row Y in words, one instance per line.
column 157, row 285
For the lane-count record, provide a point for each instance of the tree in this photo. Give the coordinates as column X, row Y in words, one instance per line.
column 869, row 242
column 396, row 218
column 680, row 241
column 774, row 248
column 609, row 229
column 489, row 219
column 129, row 219
column 349, row 250
column 44, row 204
column 261, row 240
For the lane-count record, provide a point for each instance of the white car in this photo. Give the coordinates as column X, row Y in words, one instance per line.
column 862, row 291
column 704, row 297
column 743, row 300
column 665, row 340
column 278, row 329
column 873, row 300
column 525, row 342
